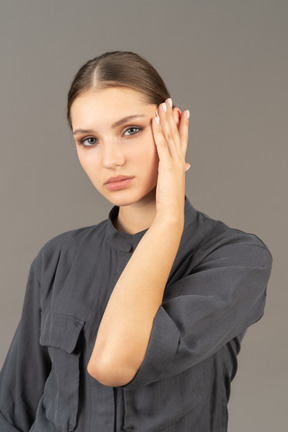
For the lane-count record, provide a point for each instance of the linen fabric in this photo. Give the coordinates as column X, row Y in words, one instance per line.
column 215, row 291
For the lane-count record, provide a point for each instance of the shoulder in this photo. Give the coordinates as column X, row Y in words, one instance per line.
column 207, row 236
column 65, row 245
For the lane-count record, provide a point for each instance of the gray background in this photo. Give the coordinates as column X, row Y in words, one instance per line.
column 224, row 60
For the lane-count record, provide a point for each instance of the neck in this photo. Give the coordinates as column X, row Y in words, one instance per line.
column 138, row 216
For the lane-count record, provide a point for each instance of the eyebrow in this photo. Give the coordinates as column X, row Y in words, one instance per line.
column 114, row 125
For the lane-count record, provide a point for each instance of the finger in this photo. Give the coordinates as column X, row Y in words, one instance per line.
column 177, row 116
column 161, row 145
column 184, row 131
column 170, row 128
column 187, row 166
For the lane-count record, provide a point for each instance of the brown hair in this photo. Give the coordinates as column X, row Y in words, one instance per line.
column 118, row 69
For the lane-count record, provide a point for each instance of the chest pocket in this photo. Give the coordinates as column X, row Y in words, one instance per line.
column 61, row 333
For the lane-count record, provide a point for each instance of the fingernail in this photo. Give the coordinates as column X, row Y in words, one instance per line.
column 170, row 102
column 157, row 120
column 164, row 107
column 187, row 113
column 188, row 167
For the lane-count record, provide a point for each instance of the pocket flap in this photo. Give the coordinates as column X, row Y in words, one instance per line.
column 60, row 331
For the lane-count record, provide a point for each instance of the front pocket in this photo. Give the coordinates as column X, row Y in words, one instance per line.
column 158, row 405
column 60, row 333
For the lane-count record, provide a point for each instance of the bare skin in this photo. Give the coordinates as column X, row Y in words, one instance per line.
column 154, row 199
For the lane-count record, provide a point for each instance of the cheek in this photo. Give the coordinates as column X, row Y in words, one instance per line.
column 152, row 162
column 148, row 156
column 88, row 161
column 151, row 156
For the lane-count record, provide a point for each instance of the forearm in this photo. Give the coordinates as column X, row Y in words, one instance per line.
column 126, row 325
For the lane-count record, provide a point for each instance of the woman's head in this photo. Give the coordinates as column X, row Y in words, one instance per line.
column 111, row 106
column 118, row 69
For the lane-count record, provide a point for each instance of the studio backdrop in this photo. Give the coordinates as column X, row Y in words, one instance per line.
column 226, row 61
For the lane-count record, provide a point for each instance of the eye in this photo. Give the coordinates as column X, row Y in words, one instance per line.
column 132, row 130
column 88, row 141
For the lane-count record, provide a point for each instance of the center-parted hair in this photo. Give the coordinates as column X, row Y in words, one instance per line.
column 118, row 69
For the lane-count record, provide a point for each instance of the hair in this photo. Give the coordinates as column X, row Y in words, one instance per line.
column 118, row 69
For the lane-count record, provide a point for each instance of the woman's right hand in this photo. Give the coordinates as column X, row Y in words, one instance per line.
column 170, row 129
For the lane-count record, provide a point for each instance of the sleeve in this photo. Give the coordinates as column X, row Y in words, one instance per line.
column 26, row 366
column 203, row 311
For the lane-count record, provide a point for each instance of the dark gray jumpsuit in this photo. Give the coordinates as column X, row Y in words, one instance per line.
column 216, row 290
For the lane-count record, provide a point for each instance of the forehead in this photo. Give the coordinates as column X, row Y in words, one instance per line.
column 109, row 104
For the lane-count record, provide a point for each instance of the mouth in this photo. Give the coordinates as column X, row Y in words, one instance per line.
column 118, row 183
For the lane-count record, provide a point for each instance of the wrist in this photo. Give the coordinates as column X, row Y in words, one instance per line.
column 172, row 214
column 170, row 221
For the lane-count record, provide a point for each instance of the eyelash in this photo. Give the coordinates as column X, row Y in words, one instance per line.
column 139, row 129
column 82, row 141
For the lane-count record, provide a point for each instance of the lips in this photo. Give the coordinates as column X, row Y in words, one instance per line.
column 118, row 178
column 118, row 182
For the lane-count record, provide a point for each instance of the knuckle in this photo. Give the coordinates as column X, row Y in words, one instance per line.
column 168, row 136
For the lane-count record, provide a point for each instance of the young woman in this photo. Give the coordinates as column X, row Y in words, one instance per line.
column 133, row 324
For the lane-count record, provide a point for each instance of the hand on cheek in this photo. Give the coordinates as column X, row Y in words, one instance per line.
column 170, row 129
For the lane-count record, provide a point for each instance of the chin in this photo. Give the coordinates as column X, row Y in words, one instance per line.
column 127, row 198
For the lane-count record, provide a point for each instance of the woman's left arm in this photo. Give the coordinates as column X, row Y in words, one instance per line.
column 217, row 300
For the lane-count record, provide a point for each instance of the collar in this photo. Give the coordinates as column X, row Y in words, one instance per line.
column 128, row 242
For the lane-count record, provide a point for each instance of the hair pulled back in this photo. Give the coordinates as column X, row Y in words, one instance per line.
column 118, row 69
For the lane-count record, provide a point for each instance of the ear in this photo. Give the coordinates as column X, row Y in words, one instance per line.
column 177, row 115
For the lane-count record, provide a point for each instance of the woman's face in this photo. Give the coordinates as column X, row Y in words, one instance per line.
column 115, row 144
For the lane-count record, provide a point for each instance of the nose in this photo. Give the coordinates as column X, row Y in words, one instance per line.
column 113, row 156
